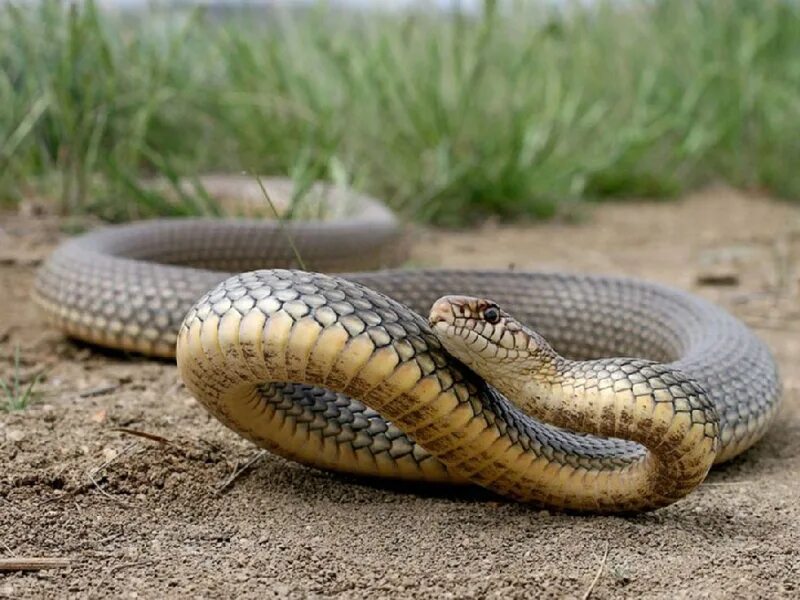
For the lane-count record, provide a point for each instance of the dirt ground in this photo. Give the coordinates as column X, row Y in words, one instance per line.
column 166, row 516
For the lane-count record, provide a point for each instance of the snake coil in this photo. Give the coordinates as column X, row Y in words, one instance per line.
column 342, row 372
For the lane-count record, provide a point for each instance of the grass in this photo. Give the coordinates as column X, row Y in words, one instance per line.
column 15, row 395
column 448, row 118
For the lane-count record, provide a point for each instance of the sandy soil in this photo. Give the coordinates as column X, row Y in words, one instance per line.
column 163, row 517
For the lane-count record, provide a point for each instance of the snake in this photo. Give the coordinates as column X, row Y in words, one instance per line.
column 310, row 338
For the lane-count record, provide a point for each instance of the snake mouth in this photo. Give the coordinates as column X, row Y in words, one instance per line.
column 441, row 314
column 458, row 339
column 442, row 327
column 442, row 319
column 451, row 336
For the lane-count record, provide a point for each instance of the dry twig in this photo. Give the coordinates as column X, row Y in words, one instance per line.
column 143, row 434
column 238, row 472
column 99, row 391
column 92, row 472
column 30, row 563
column 597, row 575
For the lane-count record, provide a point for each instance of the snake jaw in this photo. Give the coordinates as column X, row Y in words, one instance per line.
column 441, row 312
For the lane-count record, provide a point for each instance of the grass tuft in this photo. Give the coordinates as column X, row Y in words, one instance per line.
column 450, row 118
column 16, row 395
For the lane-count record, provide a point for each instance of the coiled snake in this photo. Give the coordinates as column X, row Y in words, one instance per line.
column 343, row 373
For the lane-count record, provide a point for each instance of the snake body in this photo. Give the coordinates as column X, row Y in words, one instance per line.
column 644, row 389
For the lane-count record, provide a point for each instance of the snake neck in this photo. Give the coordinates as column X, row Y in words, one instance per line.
column 627, row 398
column 642, row 401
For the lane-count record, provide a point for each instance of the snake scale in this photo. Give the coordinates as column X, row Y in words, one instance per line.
column 578, row 392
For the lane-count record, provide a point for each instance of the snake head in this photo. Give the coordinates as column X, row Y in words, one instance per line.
column 486, row 338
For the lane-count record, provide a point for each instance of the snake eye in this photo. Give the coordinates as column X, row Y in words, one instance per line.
column 491, row 315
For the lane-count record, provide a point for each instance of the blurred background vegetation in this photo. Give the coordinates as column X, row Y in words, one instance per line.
column 521, row 111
